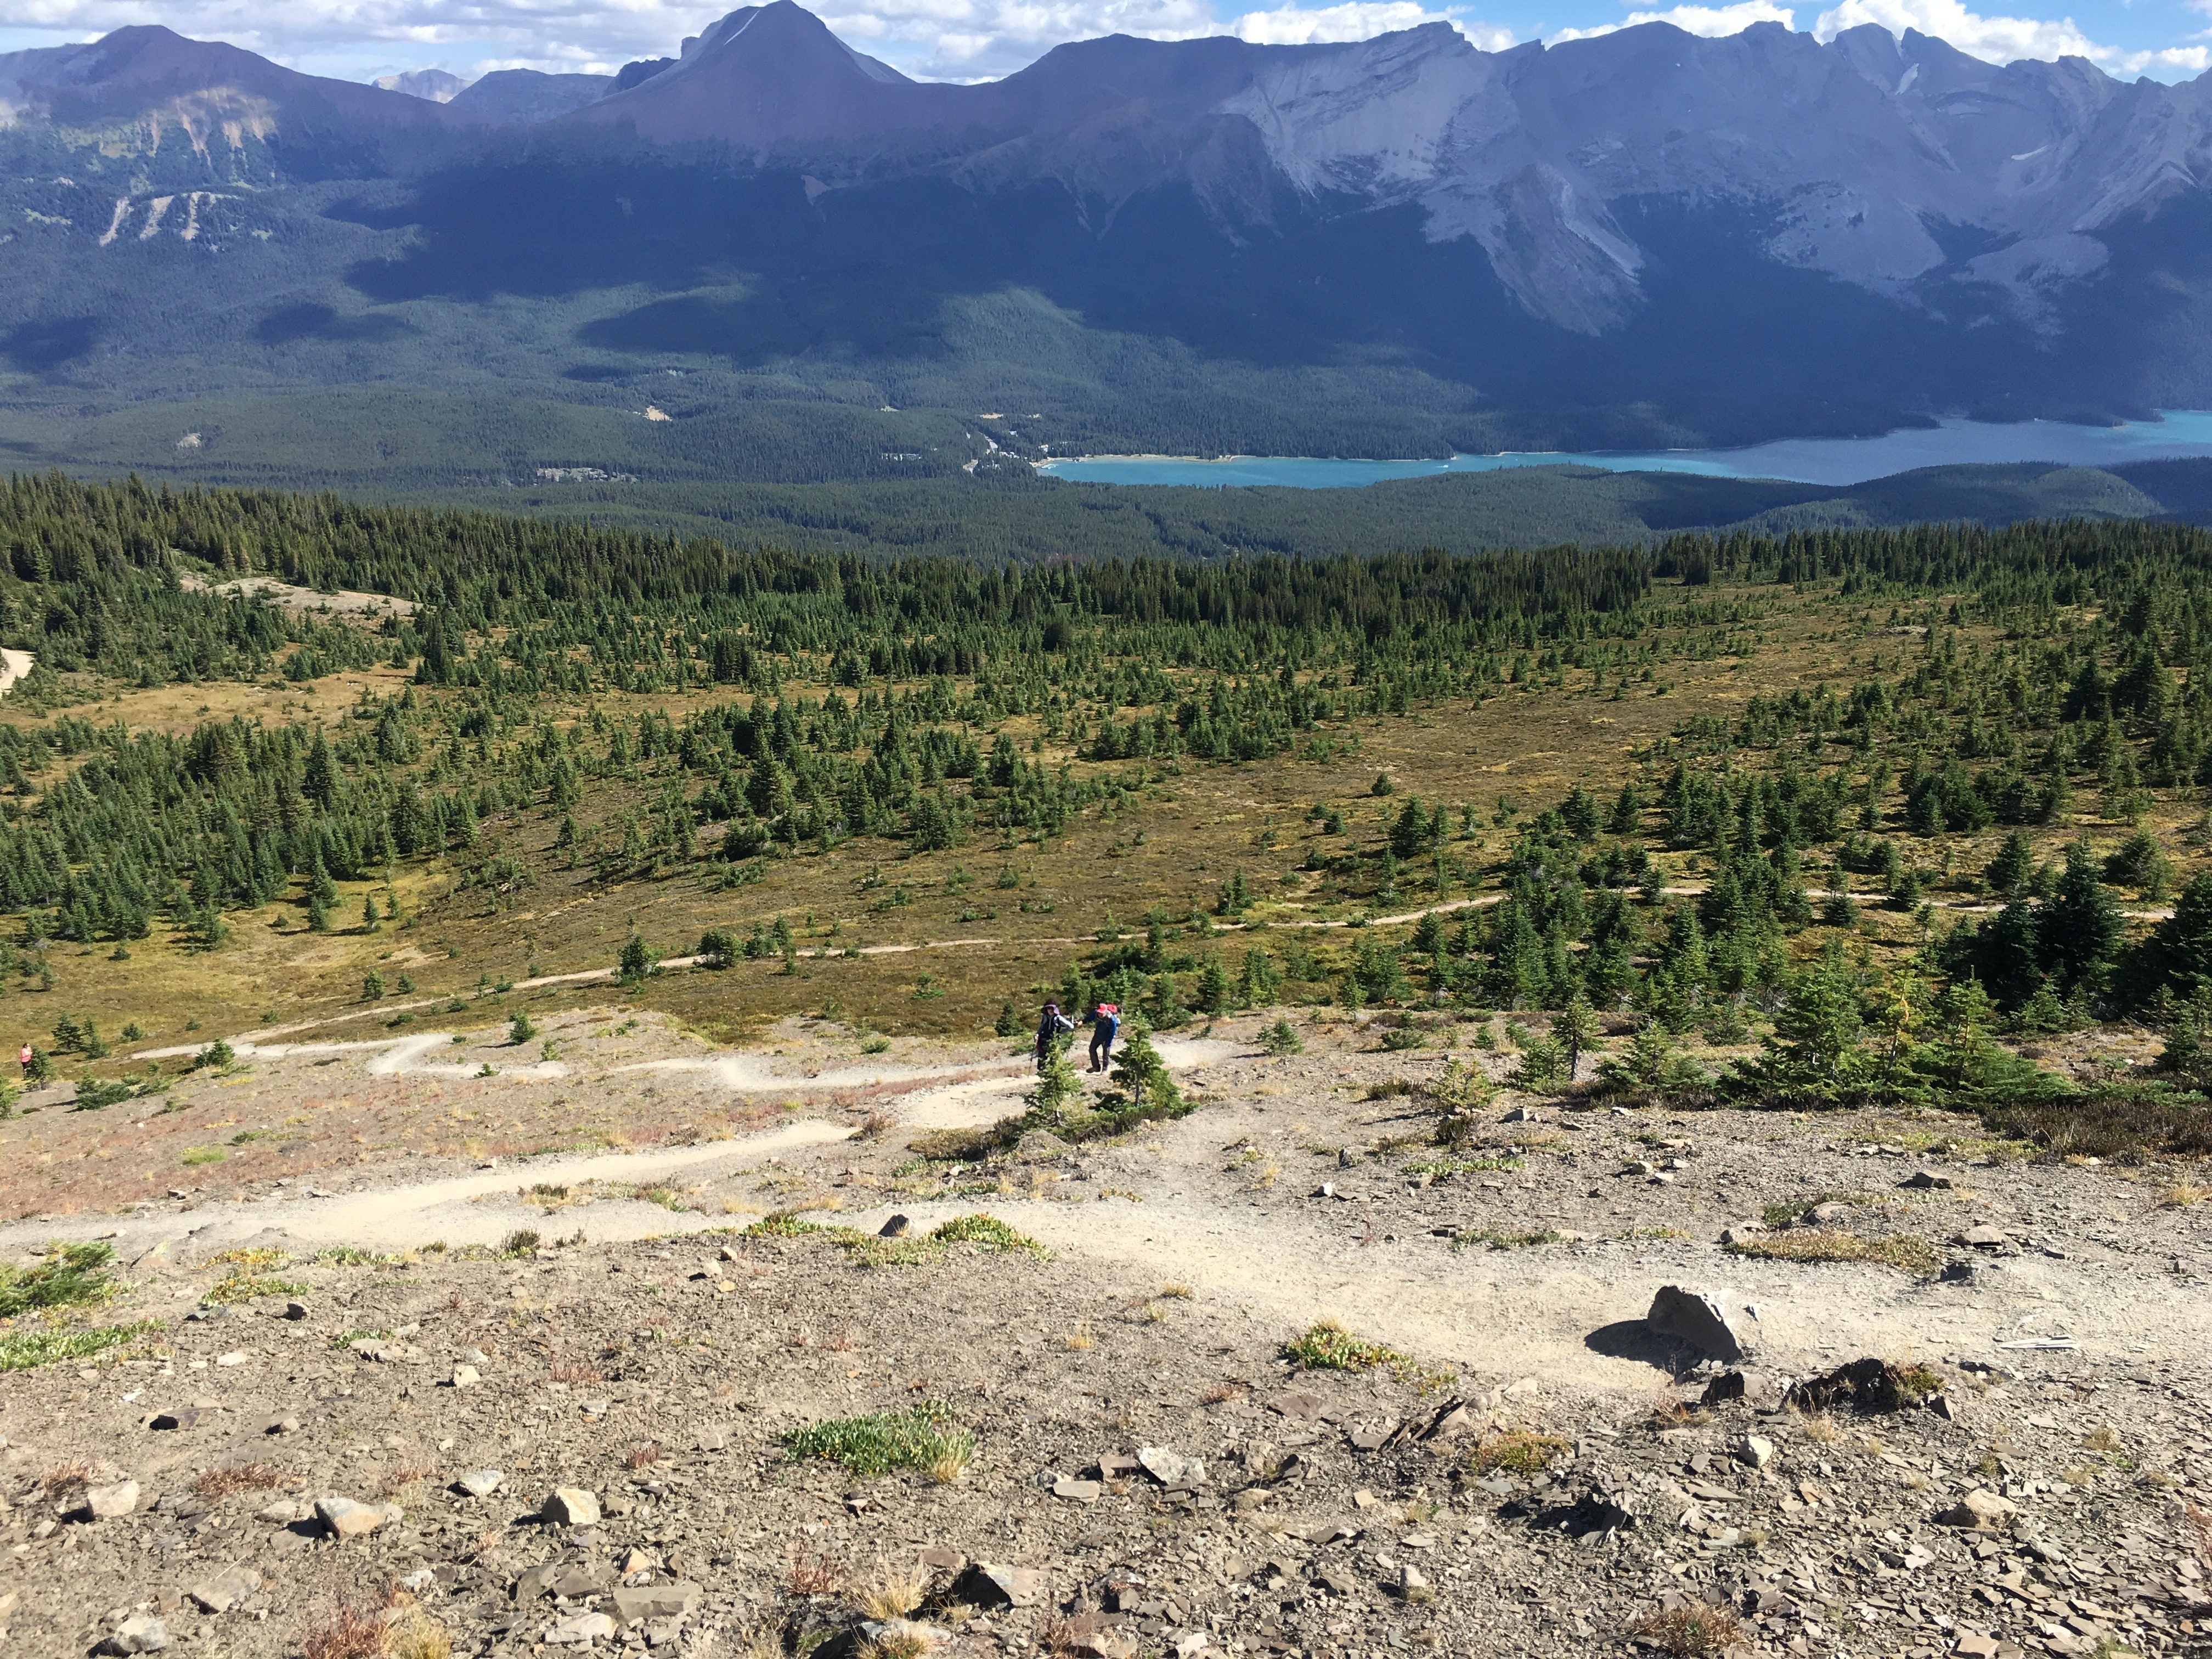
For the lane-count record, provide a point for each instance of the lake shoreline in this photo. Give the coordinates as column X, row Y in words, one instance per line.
column 1823, row 462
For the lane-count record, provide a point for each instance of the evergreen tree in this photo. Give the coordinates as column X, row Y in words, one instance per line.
column 322, row 779
column 2176, row 959
column 2141, row 863
column 2008, row 871
column 1462, row 1094
column 1814, row 1056
column 2079, row 931
column 1576, row 1028
column 1540, row 1068
column 1652, row 1063
column 2187, row 1055
column 1059, row 1093
column 1236, row 899
column 1215, row 993
column 1963, row 1064
column 1260, row 983
column 1143, row 1078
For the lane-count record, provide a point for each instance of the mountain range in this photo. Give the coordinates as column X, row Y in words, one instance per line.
column 1401, row 244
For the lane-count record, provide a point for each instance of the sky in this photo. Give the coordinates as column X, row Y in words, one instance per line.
column 978, row 39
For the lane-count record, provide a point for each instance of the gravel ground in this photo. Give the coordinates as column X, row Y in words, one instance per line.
column 1532, row 1471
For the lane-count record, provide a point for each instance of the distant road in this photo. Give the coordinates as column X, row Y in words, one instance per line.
column 14, row 665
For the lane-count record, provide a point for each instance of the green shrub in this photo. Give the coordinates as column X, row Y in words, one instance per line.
column 990, row 1233
column 94, row 1093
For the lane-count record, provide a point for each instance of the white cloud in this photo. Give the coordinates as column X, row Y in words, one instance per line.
column 2007, row 40
column 1714, row 20
column 952, row 39
column 1355, row 20
column 1993, row 40
column 965, row 40
column 332, row 36
column 2183, row 60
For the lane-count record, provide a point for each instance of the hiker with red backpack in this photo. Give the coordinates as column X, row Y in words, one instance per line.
column 1105, row 1025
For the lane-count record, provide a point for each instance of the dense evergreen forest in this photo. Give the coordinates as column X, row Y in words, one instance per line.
column 1878, row 874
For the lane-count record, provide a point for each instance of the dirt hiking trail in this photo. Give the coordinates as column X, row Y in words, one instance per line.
column 1477, row 1275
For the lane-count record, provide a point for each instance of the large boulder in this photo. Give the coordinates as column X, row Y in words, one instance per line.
column 1697, row 1319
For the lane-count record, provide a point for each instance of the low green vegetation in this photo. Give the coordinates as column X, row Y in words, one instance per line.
column 71, row 1276
column 1507, row 1239
column 21, row 1350
column 1518, row 1451
column 1783, row 1212
column 926, row 1437
column 1328, row 1346
column 247, row 1287
column 988, row 1233
column 783, row 1224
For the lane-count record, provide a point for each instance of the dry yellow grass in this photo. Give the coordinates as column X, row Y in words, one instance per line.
column 1812, row 1244
column 1688, row 1632
column 1818, row 1426
column 416, row 1633
column 895, row 1592
column 237, row 1477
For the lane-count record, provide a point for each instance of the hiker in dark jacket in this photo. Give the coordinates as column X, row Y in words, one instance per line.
column 1105, row 1025
column 1050, row 1024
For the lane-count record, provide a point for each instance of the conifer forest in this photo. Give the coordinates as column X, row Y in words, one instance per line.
column 1835, row 817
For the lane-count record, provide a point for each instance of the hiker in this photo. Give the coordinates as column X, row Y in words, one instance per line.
column 1105, row 1025
column 23, row 1060
column 1050, row 1024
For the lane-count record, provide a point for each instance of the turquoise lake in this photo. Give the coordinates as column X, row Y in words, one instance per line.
column 2179, row 433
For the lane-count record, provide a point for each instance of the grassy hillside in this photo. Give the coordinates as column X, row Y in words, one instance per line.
column 1693, row 786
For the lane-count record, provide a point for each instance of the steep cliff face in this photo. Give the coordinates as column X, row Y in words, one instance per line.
column 1864, row 156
